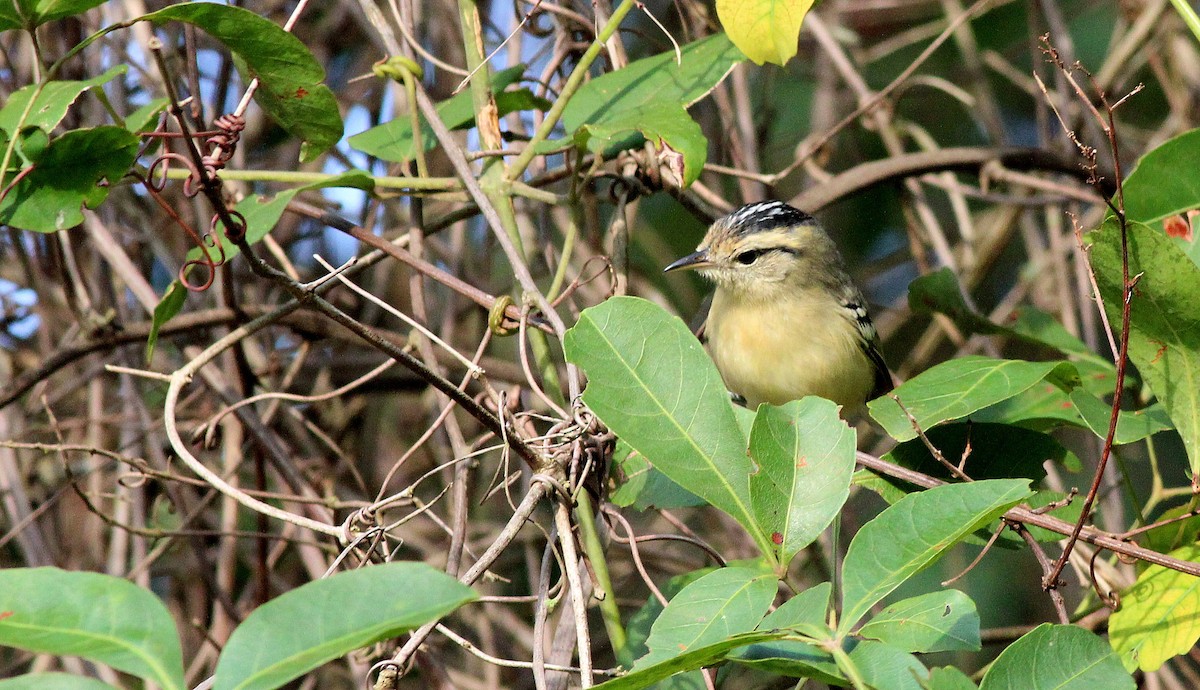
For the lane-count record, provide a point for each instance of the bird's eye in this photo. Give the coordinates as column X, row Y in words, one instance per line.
column 748, row 257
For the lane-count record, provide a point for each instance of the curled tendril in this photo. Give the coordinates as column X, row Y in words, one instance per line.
column 237, row 233
column 222, row 144
column 206, row 244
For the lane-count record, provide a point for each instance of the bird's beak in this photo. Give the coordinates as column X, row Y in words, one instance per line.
column 694, row 260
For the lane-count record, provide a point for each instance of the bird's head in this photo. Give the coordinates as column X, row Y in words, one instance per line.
column 762, row 248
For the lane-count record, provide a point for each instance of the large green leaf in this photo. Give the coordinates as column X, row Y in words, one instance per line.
column 949, row 678
column 30, row 14
column 912, row 534
column 1159, row 616
column 50, row 105
column 884, row 667
column 955, row 389
column 805, row 613
column 1156, row 188
column 67, row 176
column 647, row 99
column 290, row 79
column 1164, row 325
column 705, row 620
column 765, row 30
column 650, row 381
column 1057, row 657
column 393, row 140
column 326, row 619
column 100, row 618
column 805, row 454
column 944, row 621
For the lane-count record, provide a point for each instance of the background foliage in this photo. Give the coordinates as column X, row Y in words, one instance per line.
column 408, row 308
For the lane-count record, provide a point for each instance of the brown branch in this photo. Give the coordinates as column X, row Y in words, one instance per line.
column 1028, row 516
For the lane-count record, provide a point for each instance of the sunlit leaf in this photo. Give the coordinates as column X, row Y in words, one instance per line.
column 914, row 533
column 765, row 30
column 326, row 619
column 942, row 621
column 1057, row 657
column 104, row 619
column 51, row 104
column 1159, row 615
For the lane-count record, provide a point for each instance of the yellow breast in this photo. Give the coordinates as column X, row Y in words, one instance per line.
column 783, row 349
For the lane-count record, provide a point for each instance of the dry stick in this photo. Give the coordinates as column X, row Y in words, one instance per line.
column 1044, row 561
column 571, row 563
column 1028, row 516
column 536, row 492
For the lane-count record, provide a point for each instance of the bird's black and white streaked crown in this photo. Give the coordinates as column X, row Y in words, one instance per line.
column 766, row 215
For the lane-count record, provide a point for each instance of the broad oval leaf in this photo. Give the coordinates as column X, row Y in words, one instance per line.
column 884, row 667
column 323, row 620
column 646, row 100
column 1159, row 616
column 67, row 177
column 765, row 30
column 1164, row 329
column 290, row 80
column 650, row 381
column 955, row 389
column 702, row 623
column 50, row 104
column 1057, row 657
column 805, row 454
column 914, row 533
column 1155, row 189
column 942, row 621
column 98, row 617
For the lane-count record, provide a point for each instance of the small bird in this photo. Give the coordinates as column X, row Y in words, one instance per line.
column 786, row 321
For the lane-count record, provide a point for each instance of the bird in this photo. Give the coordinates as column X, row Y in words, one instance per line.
column 786, row 321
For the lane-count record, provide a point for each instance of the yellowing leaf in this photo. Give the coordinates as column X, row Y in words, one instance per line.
column 1158, row 618
column 765, row 30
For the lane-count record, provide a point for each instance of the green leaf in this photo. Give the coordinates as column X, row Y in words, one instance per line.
column 725, row 602
column 944, row 621
column 887, row 668
column 806, row 612
column 1057, row 657
column 290, row 79
column 996, row 451
column 1159, row 616
column 948, row 678
column 940, row 292
column 765, row 30
column 393, row 141
column 67, row 177
column 145, row 117
column 641, row 486
column 805, row 454
column 167, row 308
column 791, row 658
column 709, row 616
column 53, row 681
column 678, row 140
column 1164, row 329
column 100, row 618
column 650, row 381
column 30, row 14
column 914, row 533
column 646, row 100
column 326, row 619
column 1155, row 189
column 699, row 657
column 51, row 104
column 955, row 389
column 638, row 628
column 1132, row 425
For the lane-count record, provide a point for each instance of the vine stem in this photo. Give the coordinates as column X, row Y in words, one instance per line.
column 518, row 166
